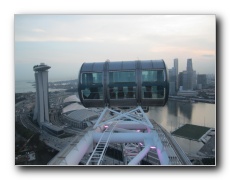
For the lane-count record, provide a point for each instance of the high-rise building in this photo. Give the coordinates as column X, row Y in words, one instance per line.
column 194, row 82
column 173, row 78
column 186, row 83
column 189, row 77
column 41, row 111
column 202, row 80
column 172, row 81
column 189, row 65
column 180, row 80
column 176, row 72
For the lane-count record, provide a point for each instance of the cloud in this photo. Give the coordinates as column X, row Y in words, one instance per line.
column 74, row 38
column 37, row 30
column 208, row 55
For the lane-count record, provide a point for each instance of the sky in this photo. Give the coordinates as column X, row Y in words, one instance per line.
column 64, row 42
column 9, row 58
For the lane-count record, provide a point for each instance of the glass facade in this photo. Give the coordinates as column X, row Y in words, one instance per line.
column 122, row 92
column 91, row 78
column 122, row 76
column 153, row 92
column 151, row 84
column 153, row 75
column 122, row 84
column 93, row 87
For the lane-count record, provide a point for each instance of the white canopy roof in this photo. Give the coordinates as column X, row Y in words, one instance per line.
column 72, row 107
column 72, row 98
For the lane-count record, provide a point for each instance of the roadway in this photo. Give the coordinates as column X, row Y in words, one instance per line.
column 66, row 150
column 55, row 142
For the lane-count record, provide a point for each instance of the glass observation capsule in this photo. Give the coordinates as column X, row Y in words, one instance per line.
column 123, row 83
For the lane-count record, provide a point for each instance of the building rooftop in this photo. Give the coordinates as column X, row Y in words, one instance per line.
column 72, row 107
column 52, row 127
column 192, row 132
column 41, row 67
column 82, row 114
column 72, row 98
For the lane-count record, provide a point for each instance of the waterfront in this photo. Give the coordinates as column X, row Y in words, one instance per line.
column 28, row 86
column 24, row 86
column 175, row 114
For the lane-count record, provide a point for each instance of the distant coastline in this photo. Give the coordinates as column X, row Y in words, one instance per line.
column 30, row 86
column 24, row 86
column 192, row 100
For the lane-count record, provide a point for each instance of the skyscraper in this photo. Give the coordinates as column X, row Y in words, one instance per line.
column 176, row 72
column 189, row 65
column 172, row 81
column 189, row 77
column 173, row 78
column 202, row 80
column 189, row 74
column 41, row 111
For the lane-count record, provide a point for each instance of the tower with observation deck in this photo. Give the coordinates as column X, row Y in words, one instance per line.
column 41, row 110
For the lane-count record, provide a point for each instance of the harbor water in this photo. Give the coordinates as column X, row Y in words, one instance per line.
column 172, row 116
column 175, row 114
column 29, row 86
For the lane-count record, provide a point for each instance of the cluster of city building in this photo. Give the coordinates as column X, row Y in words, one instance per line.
column 75, row 119
column 186, row 83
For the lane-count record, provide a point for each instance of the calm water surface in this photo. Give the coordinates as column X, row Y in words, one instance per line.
column 175, row 114
column 28, row 86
